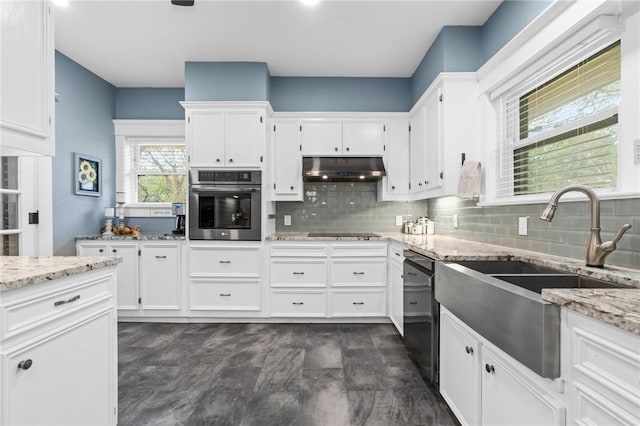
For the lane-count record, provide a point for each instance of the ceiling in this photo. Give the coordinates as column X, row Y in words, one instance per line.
column 145, row 43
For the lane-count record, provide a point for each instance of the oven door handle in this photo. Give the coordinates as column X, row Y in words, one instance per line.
column 222, row 189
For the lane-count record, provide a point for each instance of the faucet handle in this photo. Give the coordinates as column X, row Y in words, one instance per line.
column 610, row 246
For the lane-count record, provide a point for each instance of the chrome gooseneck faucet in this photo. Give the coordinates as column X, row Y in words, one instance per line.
column 597, row 251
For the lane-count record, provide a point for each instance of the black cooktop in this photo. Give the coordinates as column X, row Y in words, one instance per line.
column 342, row 234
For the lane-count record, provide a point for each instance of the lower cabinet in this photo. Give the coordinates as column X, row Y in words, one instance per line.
column 299, row 302
column 59, row 362
column 149, row 277
column 485, row 386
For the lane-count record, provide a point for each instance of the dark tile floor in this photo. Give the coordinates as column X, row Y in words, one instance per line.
column 270, row 374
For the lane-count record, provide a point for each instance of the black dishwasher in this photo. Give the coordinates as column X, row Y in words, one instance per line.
column 421, row 314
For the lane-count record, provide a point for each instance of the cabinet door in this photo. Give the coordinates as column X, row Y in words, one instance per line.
column 127, row 293
column 433, row 140
column 160, row 277
column 321, row 138
column 509, row 398
column 26, row 76
column 244, row 145
column 396, row 281
column 363, row 138
column 417, row 148
column 396, row 158
column 459, row 370
column 71, row 379
column 287, row 162
column 92, row 250
column 205, row 138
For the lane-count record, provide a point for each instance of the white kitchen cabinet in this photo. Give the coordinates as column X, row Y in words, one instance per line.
column 485, row 386
column 298, row 303
column 59, row 360
column 603, row 365
column 150, row 278
column 348, row 138
column 128, row 279
column 160, row 278
column 225, row 279
column 221, row 135
column 357, row 302
column 287, row 162
column 443, row 128
column 27, row 78
column 321, row 138
column 396, row 286
column 395, row 185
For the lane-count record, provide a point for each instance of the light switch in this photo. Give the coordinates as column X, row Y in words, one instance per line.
column 287, row 220
column 398, row 220
column 455, row 221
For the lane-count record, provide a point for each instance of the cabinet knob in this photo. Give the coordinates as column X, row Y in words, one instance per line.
column 217, row 160
column 358, row 273
column 291, row 188
column 335, row 149
column 25, row 365
column 231, row 160
column 225, row 294
column 419, row 183
column 413, row 303
column 426, row 182
column 393, row 187
column 347, row 149
column 114, row 250
column 101, row 251
column 468, row 349
column 225, row 261
column 489, row 368
column 298, row 303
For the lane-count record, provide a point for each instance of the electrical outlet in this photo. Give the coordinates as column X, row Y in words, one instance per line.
column 455, row 221
column 398, row 220
column 287, row 220
column 522, row 225
column 636, row 151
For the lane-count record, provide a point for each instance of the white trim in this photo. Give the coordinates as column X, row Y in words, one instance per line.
column 227, row 105
column 544, row 198
column 305, row 115
column 10, row 231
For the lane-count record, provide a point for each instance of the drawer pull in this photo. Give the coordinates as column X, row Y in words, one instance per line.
column 413, row 303
column 225, row 294
column 358, row 273
column 489, row 368
column 225, row 261
column 413, row 274
column 397, row 254
column 298, row 273
column 100, row 250
column 298, row 303
column 64, row 302
column 161, row 257
column 468, row 349
column 114, row 250
column 25, row 365
column 358, row 303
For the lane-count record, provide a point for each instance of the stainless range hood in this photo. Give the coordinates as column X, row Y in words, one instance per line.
column 342, row 169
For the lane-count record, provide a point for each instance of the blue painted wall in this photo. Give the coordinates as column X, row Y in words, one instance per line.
column 85, row 106
column 340, row 94
column 226, row 81
column 149, row 103
column 506, row 22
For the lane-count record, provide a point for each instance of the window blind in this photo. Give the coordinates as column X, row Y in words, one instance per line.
column 564, row 130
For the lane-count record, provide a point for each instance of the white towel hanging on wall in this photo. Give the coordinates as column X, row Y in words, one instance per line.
column 470, row 179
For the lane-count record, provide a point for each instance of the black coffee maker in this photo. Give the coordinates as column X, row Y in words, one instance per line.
column 179, row 211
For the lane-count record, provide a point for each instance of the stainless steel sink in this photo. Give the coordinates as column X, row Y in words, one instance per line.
column 502, row 302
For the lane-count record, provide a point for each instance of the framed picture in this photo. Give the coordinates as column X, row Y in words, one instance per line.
column 87, row 175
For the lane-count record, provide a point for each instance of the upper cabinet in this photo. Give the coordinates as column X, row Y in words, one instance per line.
column 330, row 138
column 395, row 185
column 287, row 161
column 27, row 78
column 230, row 136
column 443, row 129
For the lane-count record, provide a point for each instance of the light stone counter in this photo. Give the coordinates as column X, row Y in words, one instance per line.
column 618, row 307
column 21, row 271
column 141, row 237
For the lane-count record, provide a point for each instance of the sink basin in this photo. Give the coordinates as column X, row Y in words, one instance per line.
column 502, row 302
column 536, row 283
column 507, row 267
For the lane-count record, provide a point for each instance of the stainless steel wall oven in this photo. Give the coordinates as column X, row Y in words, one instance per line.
column 224, row 205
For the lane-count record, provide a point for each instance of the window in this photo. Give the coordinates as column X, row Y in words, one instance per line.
column 564, row 130
column 159, row 173
column 9, row 196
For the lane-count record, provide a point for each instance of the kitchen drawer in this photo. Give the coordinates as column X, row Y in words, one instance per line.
column 224, row 261
column 358, row 302
column 224, row 295
column 298, row 303
column 286, row 272
column 396, row 252
column 358, row 249
column 299, row 249
column 417, row 301
column 23, row 314
column 359, row 272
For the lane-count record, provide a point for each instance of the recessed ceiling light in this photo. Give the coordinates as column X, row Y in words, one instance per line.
column 361, row 176
column 310, row 2
column 325, row 177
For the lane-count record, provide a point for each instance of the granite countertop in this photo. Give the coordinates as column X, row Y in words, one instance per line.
column 144, row 237
column 21, row 271
column 617, row 307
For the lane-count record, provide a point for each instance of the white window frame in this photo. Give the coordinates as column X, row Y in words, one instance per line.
column 535, row 54
column 143, row 132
